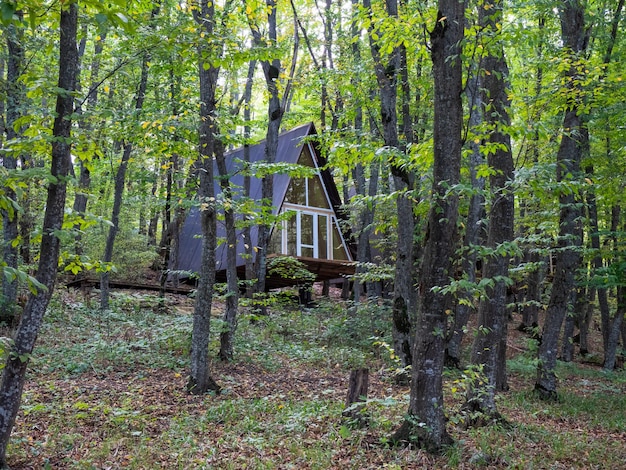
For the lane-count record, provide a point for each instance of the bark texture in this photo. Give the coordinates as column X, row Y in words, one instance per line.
column 357, row 396
column 492, row 313
column 84, row 174
column 15, row 96
column 275, row 111
column 14, row 373
column 474, row 229
column 200, row 380
column 405, row 294
column 232, row 295
column 568, row 169
column 426, row 424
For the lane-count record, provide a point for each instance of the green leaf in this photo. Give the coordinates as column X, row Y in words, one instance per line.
column 7, row 10
column 345, row 432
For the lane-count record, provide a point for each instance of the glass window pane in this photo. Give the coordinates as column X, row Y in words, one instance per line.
column 305, row 158
column 322, row 236
column 291, row 236
column 306, row 229
column 317, row 197
column 296, row 193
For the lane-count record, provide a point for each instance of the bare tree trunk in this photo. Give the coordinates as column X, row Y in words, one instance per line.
column 14, row 372
column 84, row 177
column 492, row 313
column 200, row 380
column 153, row 221
column 275, row 112
column 120, row 179
column 568, row 167
column 425, row 425
column 405, row 294
column 610, row 353
column 357, row 395
column 602, row 293
column 473, row 228
column 532, row 301
column 366, row 212
column 615, row 323
column 567, row 342
column 173, row 213
column 232, row 294
column 249, row 249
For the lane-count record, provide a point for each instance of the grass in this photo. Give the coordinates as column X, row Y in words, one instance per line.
column 107, row 390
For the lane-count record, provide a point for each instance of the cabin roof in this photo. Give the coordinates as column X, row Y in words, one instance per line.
column 289, row 149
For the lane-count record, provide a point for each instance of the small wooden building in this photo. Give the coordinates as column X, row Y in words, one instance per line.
column 312, row 234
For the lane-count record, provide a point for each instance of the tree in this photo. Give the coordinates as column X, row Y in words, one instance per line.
column 14, row 373
column 14, row 109
column 474, row 227
column 426, row 424
column 210, row 50
column 232, row 284
column 120, row 177
column 575, row 37
column 84, row 175
column 489, row 348
column 277, row 103
column 405, row 294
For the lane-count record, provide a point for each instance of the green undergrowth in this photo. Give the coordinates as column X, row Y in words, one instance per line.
column 107, row 390
column 325, row 336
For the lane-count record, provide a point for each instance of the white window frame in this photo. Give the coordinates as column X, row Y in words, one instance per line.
column 316, row 212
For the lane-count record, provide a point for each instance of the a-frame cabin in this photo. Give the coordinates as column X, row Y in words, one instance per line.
column 312, row 234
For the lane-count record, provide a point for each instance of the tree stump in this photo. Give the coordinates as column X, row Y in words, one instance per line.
column 357, row 396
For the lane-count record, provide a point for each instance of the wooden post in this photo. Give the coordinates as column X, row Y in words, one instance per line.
column 357, row 396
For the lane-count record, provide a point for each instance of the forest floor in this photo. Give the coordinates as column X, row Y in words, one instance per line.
column 107, row 391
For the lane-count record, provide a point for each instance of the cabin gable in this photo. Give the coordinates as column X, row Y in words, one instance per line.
column 312, row 230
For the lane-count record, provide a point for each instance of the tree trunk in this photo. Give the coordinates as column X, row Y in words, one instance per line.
column 357, row 395
column 492, row 313
column 200, row 380
column 15, row 95
column 615, row 324
column 120, row 179
column 249, row 249
column 610, row 353
column 587, row 316
column 473, row 227
column 567, row 343
column 84, row 177
column 426, row 423
column 14, row 372
column 153, row 221
column 568, row 167
column 532, row 301
column 232, row 294
column 405, row 294
column 275, row 111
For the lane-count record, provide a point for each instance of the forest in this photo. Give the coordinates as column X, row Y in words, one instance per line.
column 479, row 154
